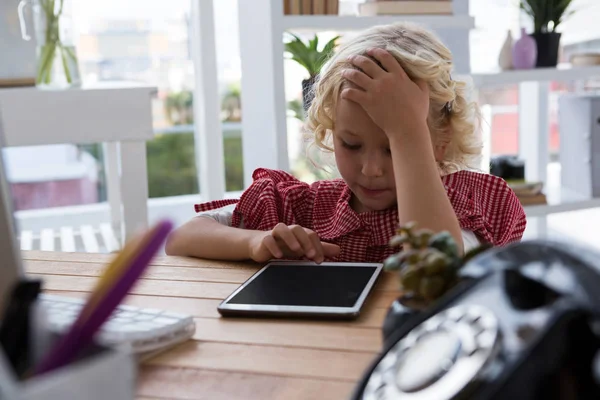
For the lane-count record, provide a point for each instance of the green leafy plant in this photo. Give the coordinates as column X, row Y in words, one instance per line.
column 308, row 54
column 547, row 15
column 53, row 46
column 428, row 263
column 172, row 167
column 179, row 107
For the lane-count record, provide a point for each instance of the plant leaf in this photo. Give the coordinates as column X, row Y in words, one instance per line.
column 302, row 62
column 48, row 71
column 65, row 65
column 313, row 43
column 526, row 7
column 326, row 53
column 330, row 46
column 561, row 12
column 546, row 14
column 307, row 54
column 298, row 51
column 297, row 39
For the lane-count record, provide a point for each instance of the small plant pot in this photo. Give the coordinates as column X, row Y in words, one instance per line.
column 547, row 48
column 307, row 92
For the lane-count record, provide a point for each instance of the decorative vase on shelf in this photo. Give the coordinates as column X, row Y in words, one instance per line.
column 505, row 60
column 57, row 65
column 525, row 52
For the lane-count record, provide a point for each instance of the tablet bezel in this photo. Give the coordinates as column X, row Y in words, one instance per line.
column 225, row 308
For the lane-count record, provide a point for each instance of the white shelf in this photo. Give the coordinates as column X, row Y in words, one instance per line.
column 561, row 73
column 349, row 22
column 561, row 200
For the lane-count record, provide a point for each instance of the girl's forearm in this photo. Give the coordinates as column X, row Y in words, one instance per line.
column 420, row 192
column 204, row 237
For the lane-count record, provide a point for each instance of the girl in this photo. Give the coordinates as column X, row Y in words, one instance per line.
column 404, row 139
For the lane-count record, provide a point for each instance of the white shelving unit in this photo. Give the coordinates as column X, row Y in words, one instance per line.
column 534, row 130
column 563, row 73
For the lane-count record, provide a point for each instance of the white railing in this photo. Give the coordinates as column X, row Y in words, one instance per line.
column 179, row 209
column 86, row 227
column 229, row 129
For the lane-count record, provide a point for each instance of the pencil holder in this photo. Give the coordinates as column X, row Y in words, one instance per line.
column 102, row 373
column 99, row 373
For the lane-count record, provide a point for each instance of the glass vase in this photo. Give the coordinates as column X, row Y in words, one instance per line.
column 57, row 66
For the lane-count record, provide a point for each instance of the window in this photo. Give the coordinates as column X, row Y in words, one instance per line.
column 145, row 41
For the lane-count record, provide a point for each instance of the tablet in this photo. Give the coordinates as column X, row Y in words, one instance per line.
column 287, row 288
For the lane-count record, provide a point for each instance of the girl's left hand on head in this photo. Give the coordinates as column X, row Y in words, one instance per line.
column 392, row 100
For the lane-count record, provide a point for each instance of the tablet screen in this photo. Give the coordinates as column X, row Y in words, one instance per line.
column 306, row 285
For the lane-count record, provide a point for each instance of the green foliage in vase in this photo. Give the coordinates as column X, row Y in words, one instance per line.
column 52, row 47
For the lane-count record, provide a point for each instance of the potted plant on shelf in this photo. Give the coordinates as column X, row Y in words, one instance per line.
column 310, row 57
column 547, row 15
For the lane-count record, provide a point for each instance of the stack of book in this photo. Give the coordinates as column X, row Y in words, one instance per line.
column 310, row 7
column 529, row 193
column 406, row 7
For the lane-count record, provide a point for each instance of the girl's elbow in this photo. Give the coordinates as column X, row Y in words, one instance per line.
column 172, row 244
column 169, row 247
column 179, row 242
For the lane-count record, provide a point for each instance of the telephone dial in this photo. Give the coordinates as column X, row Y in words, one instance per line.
column 523, row 323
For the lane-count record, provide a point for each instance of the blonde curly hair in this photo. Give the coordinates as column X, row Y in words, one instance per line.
column 452, row 121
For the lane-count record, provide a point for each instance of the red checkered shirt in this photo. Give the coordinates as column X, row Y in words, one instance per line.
column 484, row 204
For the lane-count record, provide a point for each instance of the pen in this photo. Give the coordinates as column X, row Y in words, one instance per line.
column 112, row 273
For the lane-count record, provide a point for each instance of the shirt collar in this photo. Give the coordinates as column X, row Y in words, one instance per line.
column 380, row 225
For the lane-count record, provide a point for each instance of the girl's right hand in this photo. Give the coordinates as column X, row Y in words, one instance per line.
column 291, row 241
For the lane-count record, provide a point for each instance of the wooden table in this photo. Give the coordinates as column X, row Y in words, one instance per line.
column 231, row 358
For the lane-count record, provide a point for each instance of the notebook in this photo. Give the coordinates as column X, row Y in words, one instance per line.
column 144, row 331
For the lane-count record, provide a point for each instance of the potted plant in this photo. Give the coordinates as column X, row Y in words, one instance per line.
column 57, row 63
column 547, row 15
column 428, row 266
column 310, row 57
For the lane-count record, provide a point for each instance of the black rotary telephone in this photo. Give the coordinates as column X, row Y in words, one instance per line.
column 523, row 323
